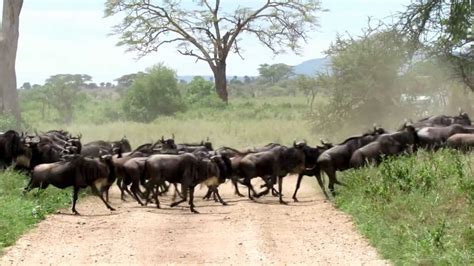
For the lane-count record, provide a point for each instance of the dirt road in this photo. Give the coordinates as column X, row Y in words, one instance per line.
column 263, row 232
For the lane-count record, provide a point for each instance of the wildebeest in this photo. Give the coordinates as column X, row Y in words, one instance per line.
column 388, row 144
column 11, row 146
column 174, row 169
column 79, row 172
column 217, row 168
column 436, row 137
column 461, row 141
column 338, row 157
column 444, row 120
column 101, row 147
column 311, row 166
column 271, row 165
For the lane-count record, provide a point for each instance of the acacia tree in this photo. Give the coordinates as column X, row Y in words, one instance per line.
column 8, row 47
column 446, row 29
column 208, row 32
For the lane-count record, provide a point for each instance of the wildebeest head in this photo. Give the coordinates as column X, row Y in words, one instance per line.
column 462, row 119
column 167, row 144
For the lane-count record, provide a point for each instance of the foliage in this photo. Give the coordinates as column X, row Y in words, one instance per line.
column 7, row 122
column 446, row 29
column 153, row 94
column 200, row 92
column 19, row 212
column 415, row 209
column 363, row 85
column 209, row 32
column 274, row 73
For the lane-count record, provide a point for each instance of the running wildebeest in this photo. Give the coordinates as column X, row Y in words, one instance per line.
column 312, row 167
column 436, row 137
column 272, row 165
column 388, row 144
column 444, row 120
column 338, row 157
column 79, row 172
column 461, row 141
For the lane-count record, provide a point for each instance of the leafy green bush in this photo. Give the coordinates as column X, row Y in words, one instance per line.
column 415, row 209
column 152, row 94
column 7, row 122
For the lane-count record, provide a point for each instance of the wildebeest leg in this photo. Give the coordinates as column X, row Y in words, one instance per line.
column 280, row 186
column 119, row 185
column 236, row 186
column 74, row 199
column 208, row 194
column 216, row 193
column 155, row 196
column 321, row 183
column 184, row 193
column 250, row 187
column 331, row 173
column 191, row 198
column 96, row 191
column 135, row 190
column 298, row 183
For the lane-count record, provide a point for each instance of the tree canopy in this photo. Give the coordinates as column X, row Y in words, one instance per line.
column 445, row 28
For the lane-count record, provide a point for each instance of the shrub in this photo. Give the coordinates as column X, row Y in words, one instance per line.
column 152, row 94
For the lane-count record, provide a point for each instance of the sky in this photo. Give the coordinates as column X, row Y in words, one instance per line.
column 72, row 36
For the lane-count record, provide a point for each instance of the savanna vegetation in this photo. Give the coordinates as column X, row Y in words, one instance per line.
column 415, row 209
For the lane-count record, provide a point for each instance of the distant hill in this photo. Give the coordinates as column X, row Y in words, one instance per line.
column 313, row 66
column 309, row 68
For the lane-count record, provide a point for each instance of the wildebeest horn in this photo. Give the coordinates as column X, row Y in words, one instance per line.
column 294, row 143
column 172, row 135
column 163, row 138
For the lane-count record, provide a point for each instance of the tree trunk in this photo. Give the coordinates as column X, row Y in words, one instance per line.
column 220, row 80
column 8, row 47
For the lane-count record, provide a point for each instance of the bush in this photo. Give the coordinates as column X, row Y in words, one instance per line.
column 7, row 122
column 415, row 209
column 152, row 94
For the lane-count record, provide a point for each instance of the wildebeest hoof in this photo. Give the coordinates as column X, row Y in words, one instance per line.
column 295, row 200
column 194, row 211
column 283, row 202
column 112, row 209
column 224, row 203
column 76, row 213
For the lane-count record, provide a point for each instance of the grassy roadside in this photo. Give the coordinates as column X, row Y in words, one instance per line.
column 18, row 212
column 415, row 209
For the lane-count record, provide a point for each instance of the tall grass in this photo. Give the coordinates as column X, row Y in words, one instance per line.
column 244, row 122
column 415, row 209
column 20, row 212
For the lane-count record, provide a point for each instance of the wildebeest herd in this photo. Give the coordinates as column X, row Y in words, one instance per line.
column 146, row 173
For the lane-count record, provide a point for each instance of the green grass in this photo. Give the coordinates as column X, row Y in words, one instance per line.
column 415, row 209
column 19, row 212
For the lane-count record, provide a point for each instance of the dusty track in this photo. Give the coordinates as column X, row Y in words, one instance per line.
column 309, row 232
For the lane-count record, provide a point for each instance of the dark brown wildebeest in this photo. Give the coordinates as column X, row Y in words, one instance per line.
column 79, row 172
column 338, row 157
column 461, row 141
column 101, row 147
column 11, row 146
column 217, row 168
column 436, row 137
column 444, row 120
column 388, row 144
column 312, row 167
column 174, row 169
column 274, row 164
